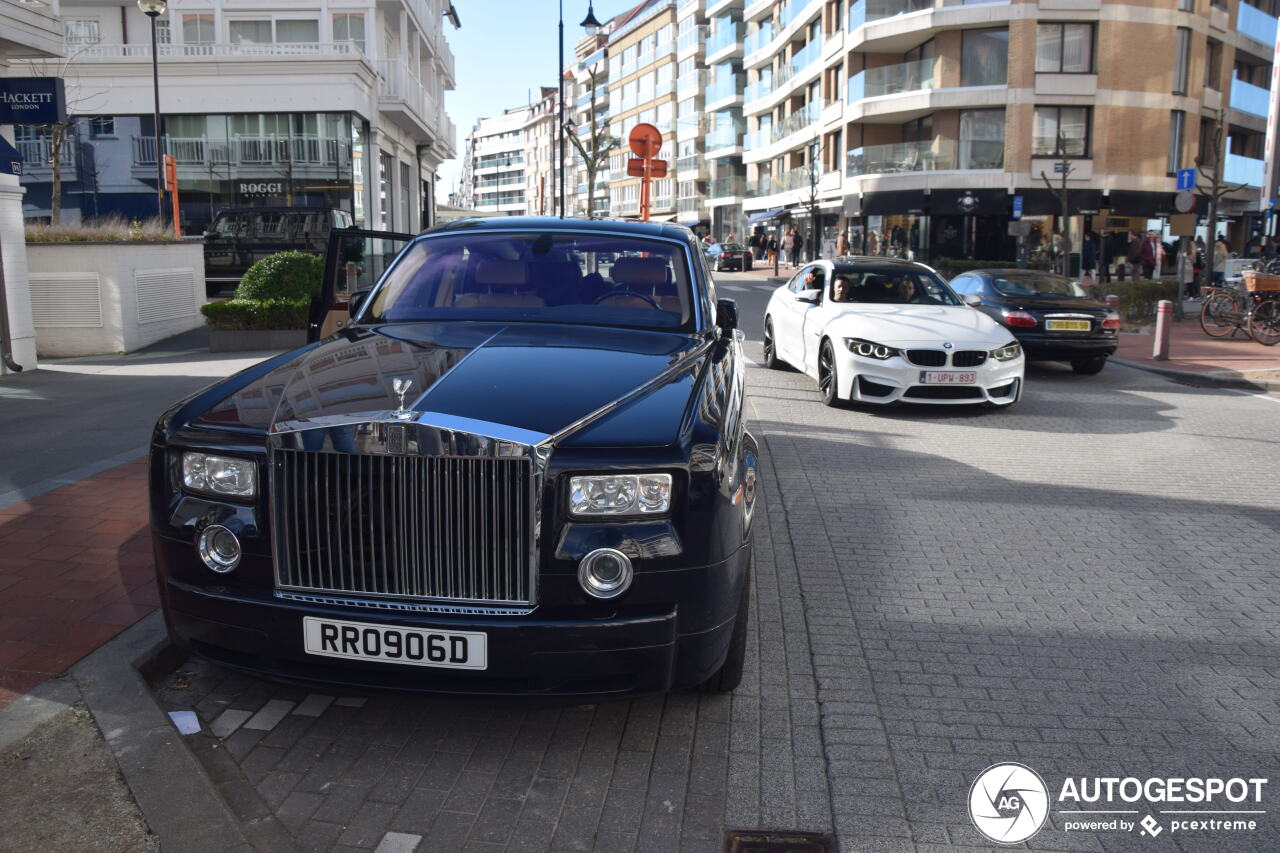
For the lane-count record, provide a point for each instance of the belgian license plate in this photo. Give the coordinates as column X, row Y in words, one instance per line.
column 1068, row 325
column 393, row 644
column 934, row 377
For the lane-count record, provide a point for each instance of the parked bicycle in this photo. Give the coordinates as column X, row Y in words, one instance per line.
column 1253, row 309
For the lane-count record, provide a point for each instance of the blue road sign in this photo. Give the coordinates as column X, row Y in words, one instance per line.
column 1017, row 207
column 1186, row 179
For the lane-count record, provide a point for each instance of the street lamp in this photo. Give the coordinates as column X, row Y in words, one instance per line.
column 154, row 9
column 592, row 26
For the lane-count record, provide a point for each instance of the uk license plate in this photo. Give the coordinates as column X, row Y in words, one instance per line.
column 935, row 377
column 394, row 644
column 1068, row 325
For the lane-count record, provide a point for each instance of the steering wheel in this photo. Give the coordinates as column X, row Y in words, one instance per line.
column 640, row 296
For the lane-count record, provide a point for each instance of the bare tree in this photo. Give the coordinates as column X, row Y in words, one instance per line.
column 1209, row 185
column 1064, row 168
column 595, row 151
column 78, row 102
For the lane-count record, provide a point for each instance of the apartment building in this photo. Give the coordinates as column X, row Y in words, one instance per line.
column 723, row 117
column 495, row 167
column 542, row 177
column 335, row 103
column 920, row 121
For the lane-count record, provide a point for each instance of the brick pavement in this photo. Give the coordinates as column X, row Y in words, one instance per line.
column 75, row 570
column 1191, row 350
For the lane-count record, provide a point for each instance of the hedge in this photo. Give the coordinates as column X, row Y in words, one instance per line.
column 284, row 275
column 952, row 267
column 1137, row 298
column 253, row 314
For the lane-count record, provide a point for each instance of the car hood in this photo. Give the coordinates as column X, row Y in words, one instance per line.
column 904, row 325
column 539, row 379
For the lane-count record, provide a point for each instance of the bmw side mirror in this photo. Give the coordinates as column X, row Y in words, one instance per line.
column 726, row 315
column 812, row 297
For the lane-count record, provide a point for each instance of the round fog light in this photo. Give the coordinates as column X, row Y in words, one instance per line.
column 219, row 548
column 605, row 573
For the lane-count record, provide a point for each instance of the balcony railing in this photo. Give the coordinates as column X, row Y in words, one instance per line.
column 691, row 124
column 724, row 137
column 725, row 86
column 281, row 151
column 892, row 79
column 1249, row 98
column 728, row 187
column 724, row 36
column 512, row 160
column 797, row 121
column 928, row 156
column 1256, row 24
column 1239, row 169
column 867, row 11
column 761, row 37
column 793, row 9
column 690, row 163
column 692, row 82
column 398, row 83
column 688, row 205
column 38, row 154
column 217, row 50
column 773, row 184
column 692, row 37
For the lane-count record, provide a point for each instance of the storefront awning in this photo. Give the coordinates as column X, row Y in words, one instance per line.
column 692, row 223
column 762, row 215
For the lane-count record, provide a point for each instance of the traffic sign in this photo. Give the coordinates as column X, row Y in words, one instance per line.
column 1186, row 179
column 1184, row 201
column 1017, row 207
column 637, row 168
column 645, row 141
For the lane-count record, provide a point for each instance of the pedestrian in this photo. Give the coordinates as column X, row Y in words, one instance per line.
column 791, row 244
column 707, row 239
column 873, row 242
column 1088, row 257
column 1149, row 255
column 1059, row 248
column 1106, row 254
column 1220, row 255
column 842, row 244
column 729, row 238
column 1132, row 252
column 1186, row 272
column 772, row 248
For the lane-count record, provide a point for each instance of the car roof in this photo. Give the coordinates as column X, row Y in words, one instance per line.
column 859, row 261
column 568, row 223
column 1005, row 273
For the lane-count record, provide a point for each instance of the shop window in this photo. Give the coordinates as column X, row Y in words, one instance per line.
column 1064, row 48
column 1060, row 131
column 984, row 57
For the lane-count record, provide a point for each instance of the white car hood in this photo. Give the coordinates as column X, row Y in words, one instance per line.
column 912, row 325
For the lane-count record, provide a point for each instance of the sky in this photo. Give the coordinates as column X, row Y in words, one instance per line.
column 505, row 50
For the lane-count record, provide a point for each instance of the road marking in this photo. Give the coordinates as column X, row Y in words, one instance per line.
column 1266, row 397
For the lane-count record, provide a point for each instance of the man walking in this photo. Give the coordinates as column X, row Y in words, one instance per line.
column 1106, row 254
column 1149, row 255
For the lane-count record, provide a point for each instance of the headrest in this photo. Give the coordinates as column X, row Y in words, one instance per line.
column 640, row 271
column 495, row 273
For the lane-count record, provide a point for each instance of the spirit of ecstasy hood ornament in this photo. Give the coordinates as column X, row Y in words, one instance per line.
column 401, row 387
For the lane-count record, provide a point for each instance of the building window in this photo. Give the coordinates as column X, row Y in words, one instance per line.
column 82, row 32
column 981, row 139
column 1181, row 60
column 102, row 126
column 1177, row 122
column 349, row 27
column 1071, row 123
column 386, row 163
column 1213, row 65
column 285, row 31
column 198, row 29
column 164, row 32
column 984, row 58
column 1064, row 48
column 1186, row 5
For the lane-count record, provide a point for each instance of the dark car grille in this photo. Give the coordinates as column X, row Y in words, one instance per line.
column 968, row 358
column 927, row 357
column 944, row 392
column 403, row 526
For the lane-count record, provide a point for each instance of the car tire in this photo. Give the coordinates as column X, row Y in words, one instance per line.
column 771, row 360
column 829, row 390
column 727, row 678
column 1089, row 366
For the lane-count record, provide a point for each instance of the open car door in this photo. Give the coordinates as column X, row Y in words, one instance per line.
column 354, row 260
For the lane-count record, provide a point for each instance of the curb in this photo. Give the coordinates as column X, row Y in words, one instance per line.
column 1221, row 379
column 171, row 787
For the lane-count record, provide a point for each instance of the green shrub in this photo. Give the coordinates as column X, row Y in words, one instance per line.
column 951, row 267
column 1137, row 298
column 252, row 314
column 284, row 275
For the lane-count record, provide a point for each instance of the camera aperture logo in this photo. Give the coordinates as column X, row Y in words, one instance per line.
column 1008, row 803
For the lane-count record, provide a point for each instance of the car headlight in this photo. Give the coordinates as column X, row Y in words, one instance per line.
column 870, row 349
column 1007, row 353
column 620, row 494
column 219, row 475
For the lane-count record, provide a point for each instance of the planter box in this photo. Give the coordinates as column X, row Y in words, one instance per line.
column 99, row 298
column 222, row 340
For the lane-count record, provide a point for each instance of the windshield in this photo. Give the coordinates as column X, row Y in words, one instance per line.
column 890, row 286
column 1037, row 285
column 554, row 277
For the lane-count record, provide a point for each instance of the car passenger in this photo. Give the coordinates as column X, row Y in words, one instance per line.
column 813, row 279
column 840, row 290
column 906, row 290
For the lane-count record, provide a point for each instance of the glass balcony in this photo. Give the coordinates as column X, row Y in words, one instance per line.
column 797, row 121
column 867, row 11
column 728, row 187
column 773, row 184
column 761, row 37
column 758, row 89
column 1239, row 169
column 1248, row 98
column 690, row 124
column 728, row 136
column 690, row 163
column 695, row 36
column 727, row 86
column 794, row 9
column 902, row 157
column 1256, row 24
column 891, row 80
column 723, row 37
column 688, row 205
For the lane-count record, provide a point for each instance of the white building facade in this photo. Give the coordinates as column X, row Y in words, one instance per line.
column 496, row 166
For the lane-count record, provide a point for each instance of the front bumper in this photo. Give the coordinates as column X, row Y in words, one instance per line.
column 614, row 648
column 867, row 380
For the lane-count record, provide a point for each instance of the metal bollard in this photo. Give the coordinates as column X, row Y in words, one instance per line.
column 1164, row 320
column 1113, row 301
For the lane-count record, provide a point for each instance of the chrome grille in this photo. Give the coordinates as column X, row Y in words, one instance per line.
column 420, row 527
column 968, row 358
column 927, row 357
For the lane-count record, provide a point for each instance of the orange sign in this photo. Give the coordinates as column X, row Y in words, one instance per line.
column 645, row 141
column 170, row 172
column 637, row 168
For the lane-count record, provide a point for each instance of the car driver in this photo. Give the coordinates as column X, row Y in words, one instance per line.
column 840, row 290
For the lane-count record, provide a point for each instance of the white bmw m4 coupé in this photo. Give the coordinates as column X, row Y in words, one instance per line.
column 882, row 330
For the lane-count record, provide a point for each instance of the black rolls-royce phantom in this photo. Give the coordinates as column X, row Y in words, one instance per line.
column 520, row 468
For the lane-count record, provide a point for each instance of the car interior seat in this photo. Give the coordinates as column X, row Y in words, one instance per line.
column 499, row 284
column 646, row 276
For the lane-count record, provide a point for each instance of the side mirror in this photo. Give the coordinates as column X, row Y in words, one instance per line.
column 972, row 299
column 726, row 315
column 813, row 297
column 356, row 300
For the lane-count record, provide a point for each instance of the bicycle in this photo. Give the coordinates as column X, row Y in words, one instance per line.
column 1228, row 310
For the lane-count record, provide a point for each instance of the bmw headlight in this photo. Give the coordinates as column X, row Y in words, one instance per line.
column 870, row 349
column 1007, row 353
column 219, row 475
column 620, row 494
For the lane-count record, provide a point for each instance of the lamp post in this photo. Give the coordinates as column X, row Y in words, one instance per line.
column 154, row 9
column 591, row 25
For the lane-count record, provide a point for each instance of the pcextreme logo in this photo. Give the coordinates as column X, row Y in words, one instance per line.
column 1010, row 802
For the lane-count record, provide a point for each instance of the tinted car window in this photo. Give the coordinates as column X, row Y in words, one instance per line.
column 538, row 277
column 1037, row 285
column 893, row 286
column 231, row 225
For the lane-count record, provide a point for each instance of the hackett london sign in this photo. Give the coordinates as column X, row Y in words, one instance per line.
column 32, row 100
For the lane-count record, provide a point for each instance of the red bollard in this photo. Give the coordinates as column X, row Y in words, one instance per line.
column 1164, row 319
column 1113, row 301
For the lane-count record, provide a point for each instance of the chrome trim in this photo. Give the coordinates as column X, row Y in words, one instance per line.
column 1069, row 316
column 402, row 606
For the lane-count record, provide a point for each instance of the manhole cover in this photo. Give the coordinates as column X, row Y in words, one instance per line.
column 777, row 841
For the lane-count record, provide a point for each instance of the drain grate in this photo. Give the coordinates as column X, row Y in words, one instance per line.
column 777, row 841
